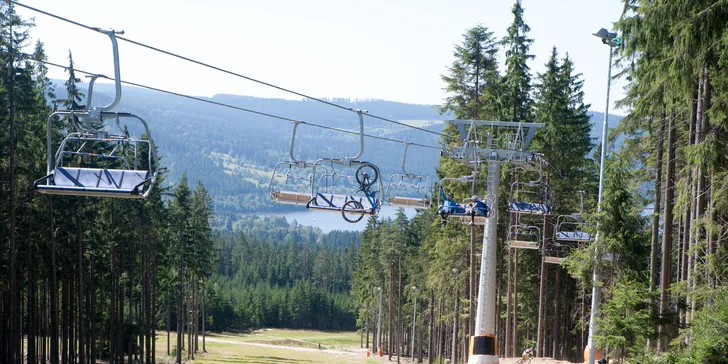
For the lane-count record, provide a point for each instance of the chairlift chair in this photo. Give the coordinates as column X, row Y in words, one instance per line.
column 363, row 199
column 88, row 146
column 284, row 170
column 530, row 198
column 523, row 236
column 416, row 182
column 555, row 252
column 353, row 206
column 572, row 228
column 553, row 259
column 296, row 175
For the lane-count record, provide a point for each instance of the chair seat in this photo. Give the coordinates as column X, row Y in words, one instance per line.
column 529, row 208
column 467, row 219
column 290, row 198
column 97, row 182
column 334, row 203
column 581, row 236
column 417, row 203
column 553, row 260
column 520, row 244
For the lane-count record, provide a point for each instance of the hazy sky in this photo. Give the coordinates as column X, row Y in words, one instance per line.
column 383, row 49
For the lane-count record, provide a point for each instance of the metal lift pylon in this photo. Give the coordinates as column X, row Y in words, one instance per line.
column 515, row 141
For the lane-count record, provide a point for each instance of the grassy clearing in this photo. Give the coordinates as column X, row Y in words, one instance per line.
column 235, row 166
column 275, row 346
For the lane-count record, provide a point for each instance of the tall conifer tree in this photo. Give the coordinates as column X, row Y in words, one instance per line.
column 517, row 80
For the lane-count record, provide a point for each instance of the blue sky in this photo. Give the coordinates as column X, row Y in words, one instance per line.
column 383, row 49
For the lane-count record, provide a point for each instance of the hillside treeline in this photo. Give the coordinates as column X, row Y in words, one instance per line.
column 275, row 274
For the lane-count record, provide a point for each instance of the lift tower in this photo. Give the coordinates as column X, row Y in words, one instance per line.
column 506, row 143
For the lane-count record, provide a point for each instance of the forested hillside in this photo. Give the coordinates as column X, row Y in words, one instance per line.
column 275, row 274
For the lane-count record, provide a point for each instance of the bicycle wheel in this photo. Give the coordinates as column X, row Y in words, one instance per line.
column 352, row 211
column 367, row 174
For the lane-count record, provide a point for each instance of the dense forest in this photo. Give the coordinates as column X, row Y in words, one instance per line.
column 273, row 273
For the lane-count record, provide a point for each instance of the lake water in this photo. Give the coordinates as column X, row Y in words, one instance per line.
column 328, row 221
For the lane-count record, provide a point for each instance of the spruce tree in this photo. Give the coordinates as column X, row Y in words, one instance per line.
column 517, row 80
column 472, row 81
column 74, row 95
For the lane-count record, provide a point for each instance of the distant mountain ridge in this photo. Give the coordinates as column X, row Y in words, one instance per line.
column 232, row 152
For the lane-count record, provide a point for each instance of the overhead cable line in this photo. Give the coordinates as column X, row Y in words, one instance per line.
column 231, row 72
column 29, row 58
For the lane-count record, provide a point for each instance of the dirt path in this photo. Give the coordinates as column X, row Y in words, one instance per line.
column 384, row 360
column 535, row 361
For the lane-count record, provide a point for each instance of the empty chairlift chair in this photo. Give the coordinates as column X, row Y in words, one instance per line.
column 524, row 237
column 405, row 182
column 290, row 183
column 418, row 183
column 530, row 198
column 572, row 228
column 95, row 163
column 555, row 252
column 92, row 161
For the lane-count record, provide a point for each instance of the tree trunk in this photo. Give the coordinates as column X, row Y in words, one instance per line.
column 514, row 328
column 31, row 291
column 120, row 323
column 701, row 129
column 666, row 272
column 169, row 321
column 14, row 355
column 454, row 356
column 80, row 330
column 557, row 312
column 391, row 316
column 204, row 318
column 180, row 309
column 399, row 308
column 541, row 309
column 154, row 305
column 654, row 251
column 92, row 308
column 509, row 299
column 430, row 342
column 544, row 329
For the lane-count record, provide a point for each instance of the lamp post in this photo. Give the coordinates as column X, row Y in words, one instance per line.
column 414, row 320
column 379, row 321
column 611, row 40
